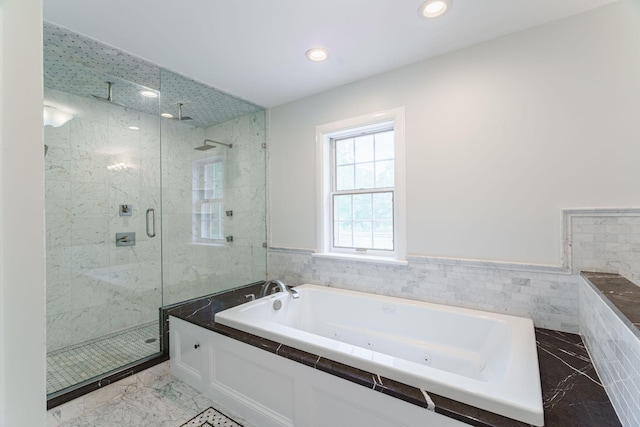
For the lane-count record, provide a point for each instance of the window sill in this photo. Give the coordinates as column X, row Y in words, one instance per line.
column 362, row 258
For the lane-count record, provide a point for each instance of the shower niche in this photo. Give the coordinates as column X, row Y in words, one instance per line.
column 150, row 153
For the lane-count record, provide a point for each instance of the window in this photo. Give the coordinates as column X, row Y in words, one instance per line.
column 362, row 193
column 208, row 198
column 361, row 187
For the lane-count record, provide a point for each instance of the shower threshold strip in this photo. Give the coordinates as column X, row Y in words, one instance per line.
column 79, row 363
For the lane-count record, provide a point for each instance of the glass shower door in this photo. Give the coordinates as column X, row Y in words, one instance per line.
column 103, row 206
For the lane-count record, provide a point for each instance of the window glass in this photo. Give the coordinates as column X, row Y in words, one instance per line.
column 363, row 180
column 208, row 200
column 344, row 152
column 345, row 179
column 384, row 146
column 364, row 148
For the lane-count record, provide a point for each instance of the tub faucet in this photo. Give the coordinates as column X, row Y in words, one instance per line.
column 281, row 286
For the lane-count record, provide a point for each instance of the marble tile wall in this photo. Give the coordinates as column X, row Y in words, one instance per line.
column 607, row 241
column 94, row 287
column 190, row 269
column 547, row 296
column 615, row 351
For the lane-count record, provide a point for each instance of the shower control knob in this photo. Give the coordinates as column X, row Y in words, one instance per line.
column 197, row 346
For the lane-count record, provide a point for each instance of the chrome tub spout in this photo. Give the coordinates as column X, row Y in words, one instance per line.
column 280, row 286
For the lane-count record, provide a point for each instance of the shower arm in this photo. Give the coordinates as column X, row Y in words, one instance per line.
column 216, row 142
column 110, row 94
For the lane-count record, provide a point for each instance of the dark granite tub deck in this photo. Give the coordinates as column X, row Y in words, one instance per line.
column 572, row 392
column 622, row 295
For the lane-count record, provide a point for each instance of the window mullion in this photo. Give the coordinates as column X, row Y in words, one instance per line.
column 363, row 191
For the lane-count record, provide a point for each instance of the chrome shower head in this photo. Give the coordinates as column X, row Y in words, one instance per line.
column 206, row 147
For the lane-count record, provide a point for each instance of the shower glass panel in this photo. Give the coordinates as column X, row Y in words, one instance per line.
column 142, row 210
column 102, row 173
column 213, row 199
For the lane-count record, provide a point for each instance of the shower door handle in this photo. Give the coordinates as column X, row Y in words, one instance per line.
column 151, row 233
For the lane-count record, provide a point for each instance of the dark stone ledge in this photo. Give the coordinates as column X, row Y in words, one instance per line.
column 619, row 293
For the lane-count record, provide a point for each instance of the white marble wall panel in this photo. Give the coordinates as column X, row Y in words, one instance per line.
column 150, row 175
column 89, row 167
column 59, row 296
column 607, row 241
column 89, row 136
column 89, row 198
column 58, row 196
column 58, row 168
column 615, row 351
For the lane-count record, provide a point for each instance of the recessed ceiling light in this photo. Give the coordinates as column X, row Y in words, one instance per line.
column 134, row 128
column 167, row 115
column 433, row 8
column 317, row 54
column 148, row 94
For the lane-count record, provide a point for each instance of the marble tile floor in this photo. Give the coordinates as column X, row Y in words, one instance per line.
column 74, row 364
column 165, row 401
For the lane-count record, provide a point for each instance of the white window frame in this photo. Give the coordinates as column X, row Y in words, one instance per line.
column 324, row 163
column 197, row 203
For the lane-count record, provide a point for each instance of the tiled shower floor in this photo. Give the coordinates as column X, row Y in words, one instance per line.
column 74, row 364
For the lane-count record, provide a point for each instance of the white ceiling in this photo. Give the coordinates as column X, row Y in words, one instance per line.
column 254, row 49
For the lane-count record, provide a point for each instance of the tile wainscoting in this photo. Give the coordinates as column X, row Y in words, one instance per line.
column 603, row 239
column 549, row 298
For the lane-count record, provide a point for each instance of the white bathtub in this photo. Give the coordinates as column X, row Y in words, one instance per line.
column 483, row 359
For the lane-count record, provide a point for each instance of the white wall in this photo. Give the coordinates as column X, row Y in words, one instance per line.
column 499, row 138
column 22, row 254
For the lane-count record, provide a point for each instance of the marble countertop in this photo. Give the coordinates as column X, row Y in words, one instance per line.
column 572, row 392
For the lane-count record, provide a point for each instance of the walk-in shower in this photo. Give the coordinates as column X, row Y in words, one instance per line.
column 106, row 169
